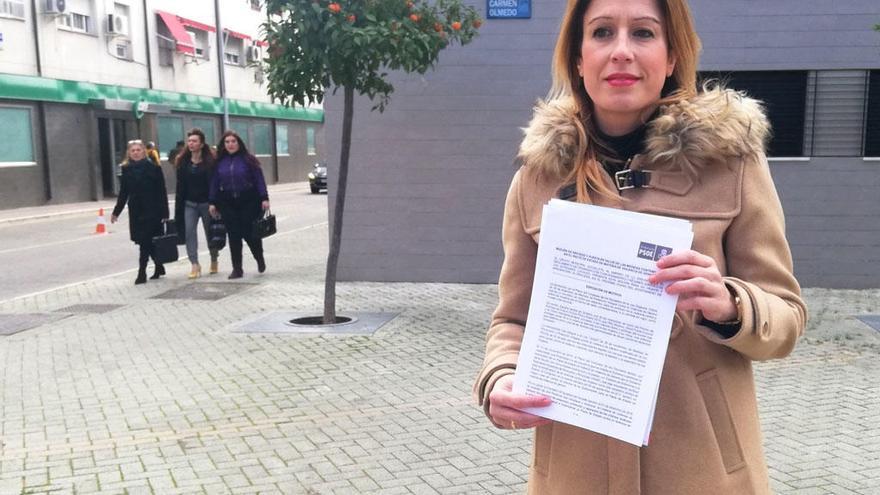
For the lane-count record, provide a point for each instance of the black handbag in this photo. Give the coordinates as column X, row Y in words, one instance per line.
column 165, row 246
column 265, row 225
column 172, row 226
column 216, row 234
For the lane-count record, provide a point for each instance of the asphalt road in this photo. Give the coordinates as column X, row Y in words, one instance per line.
column 45, row 254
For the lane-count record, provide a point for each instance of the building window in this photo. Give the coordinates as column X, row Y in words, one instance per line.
column 261, row 140
column 281, row 140
column 12, row 8
column 310, row 141
column 207, row 126
column 241, row 128
column 784, row 96
column 170, row 132
column 74, row 21
column 200, row 43
column 17, row 145
column 872, row 120
column 233, row 50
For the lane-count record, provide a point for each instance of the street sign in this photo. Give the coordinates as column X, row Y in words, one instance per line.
column 508, row 9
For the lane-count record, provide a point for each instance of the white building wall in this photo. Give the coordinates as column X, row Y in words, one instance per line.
column 201, row 75
column 241, row 81
column 67, row 53
column 17, row 54
column 91, row 56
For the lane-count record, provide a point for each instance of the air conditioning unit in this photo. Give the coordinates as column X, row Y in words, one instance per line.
column 56, row 6
column 117, row 24
column 254, row 53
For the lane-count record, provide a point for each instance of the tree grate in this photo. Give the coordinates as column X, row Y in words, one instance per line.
column 90, row 308
column 872, row 321
column 13, row 323
column 204, row 291
column 279, row 322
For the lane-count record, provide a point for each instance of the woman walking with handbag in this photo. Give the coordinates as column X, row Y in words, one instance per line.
column 238, row 191
column 143, row 188
column 195, row 165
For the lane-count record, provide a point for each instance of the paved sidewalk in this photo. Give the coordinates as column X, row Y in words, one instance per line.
column 162, row 396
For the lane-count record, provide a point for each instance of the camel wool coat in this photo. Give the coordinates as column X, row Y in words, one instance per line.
column 707, row 163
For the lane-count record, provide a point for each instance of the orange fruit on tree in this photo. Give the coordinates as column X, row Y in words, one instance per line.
column 414, row 17
column 456, row 26
column 335, row 8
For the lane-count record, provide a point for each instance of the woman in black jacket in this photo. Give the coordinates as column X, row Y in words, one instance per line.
column 195, row 165
column 143, row 188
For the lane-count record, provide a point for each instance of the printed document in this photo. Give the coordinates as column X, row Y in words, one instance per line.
column 597, row 331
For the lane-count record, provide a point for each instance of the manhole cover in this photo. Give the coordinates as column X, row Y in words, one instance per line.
column 89, row 308
column 280, row 322
column 10, row 324
column 204, row 291
column 872, row 321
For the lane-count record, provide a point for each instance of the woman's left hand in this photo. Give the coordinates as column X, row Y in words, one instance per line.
column 266, row 205
column 698, row 283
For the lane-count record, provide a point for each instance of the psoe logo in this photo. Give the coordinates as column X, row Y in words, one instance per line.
column 647, row 250
column 652, row 252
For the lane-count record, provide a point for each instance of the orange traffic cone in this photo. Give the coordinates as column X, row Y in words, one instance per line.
column 101, row 227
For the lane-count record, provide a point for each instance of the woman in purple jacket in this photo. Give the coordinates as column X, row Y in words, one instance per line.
column 238, row 191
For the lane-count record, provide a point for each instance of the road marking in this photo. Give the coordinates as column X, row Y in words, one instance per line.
column 104, row 277
column 56, row 243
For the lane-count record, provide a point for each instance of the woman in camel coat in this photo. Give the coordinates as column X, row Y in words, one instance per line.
column 625, row 111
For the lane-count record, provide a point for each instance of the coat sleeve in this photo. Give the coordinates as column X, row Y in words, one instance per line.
column 179, row 195
column 760, row 273
column 214, row 185
column 164, row 192
column 504, row 337
column 123, row 193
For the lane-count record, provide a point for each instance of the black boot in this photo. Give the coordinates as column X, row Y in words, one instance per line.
column 142, row 276
column 261, row 263
column 158, row 272
column 236, row 273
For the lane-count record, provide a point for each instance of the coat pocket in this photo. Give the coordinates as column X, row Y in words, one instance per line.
column 543, row 446
column 722, row 421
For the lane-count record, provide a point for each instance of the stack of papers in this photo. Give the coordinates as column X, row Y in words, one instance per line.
column 597, row 331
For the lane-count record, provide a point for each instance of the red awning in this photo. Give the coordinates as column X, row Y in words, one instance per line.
column 184, row 41
column 262, row 43
column 197, row 24
column 234, row 34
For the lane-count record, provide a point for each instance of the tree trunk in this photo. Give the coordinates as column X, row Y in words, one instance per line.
column 338, row 209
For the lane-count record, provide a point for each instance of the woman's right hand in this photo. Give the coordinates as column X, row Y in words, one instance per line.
column 212, row 210
column 113, row 218
column 504, row 406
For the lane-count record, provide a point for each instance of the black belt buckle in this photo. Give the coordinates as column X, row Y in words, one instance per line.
column 632, row 179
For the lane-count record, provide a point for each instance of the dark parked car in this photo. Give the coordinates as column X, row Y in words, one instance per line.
column 318, row 178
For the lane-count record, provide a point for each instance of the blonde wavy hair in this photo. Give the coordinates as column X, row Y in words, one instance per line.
column 683, row 44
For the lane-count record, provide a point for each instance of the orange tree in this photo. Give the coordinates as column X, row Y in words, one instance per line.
column 319, row 45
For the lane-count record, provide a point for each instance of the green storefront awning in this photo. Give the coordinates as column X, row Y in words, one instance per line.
column 18, row 87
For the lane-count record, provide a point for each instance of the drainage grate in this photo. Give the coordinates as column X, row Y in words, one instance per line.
column 90, row 308
column 872, row 321
column 279, row 322
column 204, row 291
column 10, row 324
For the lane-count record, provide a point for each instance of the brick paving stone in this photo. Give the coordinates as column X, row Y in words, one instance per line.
column 163, row 394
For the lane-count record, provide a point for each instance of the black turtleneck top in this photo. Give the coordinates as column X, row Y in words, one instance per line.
column 616, row 151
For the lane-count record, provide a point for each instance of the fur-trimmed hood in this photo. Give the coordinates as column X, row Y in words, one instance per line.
column 716, row 124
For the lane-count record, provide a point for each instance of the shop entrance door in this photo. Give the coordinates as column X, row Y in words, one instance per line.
column 112, row 139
